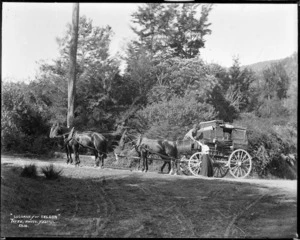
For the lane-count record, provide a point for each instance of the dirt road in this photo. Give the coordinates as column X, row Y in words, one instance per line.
column 89, row 202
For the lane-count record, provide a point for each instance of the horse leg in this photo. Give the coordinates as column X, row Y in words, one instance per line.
column 143, row 161
column 70, row 153
column 102, row 156
column 146, row 161
column 140, row 158
column 173, row 167
column 96, row 158
column 76, row 153
column 163, row 166
column 171, row 171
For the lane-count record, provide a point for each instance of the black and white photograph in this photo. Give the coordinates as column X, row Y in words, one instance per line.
column 149, row 120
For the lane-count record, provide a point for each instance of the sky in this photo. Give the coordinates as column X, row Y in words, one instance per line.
column 252, row 32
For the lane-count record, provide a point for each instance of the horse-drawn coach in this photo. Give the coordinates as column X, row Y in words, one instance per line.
column 225, row 144
column 227, row 148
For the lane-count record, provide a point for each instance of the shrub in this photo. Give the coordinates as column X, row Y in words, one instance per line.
column 50, row 173
column 23, row 124
column 268, row 141
column 29, row 171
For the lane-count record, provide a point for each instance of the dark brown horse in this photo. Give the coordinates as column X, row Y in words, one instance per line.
column 88, row 139
column 56, row 131
column 92, row 140
column 167, row 150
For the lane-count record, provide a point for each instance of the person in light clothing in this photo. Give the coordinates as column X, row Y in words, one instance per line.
column 196, row 135
column 192, row 133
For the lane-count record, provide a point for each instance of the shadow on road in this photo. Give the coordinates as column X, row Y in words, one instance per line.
column 91, row 202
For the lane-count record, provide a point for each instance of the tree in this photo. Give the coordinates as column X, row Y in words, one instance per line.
column 181, row 77
column 274, row 90
column 73, row 54
column 97, row 75
column 139, row 72
column 172, row 28
column 236, row 86
column 276, row 81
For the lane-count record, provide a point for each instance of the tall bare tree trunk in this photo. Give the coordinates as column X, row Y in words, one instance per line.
column 72, row 76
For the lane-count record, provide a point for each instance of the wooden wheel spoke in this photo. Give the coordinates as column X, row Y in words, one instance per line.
column 240, row 163
column 236, row 168
column 245, row 169
column 220, row 170
column 245, row 172
column 195, row 163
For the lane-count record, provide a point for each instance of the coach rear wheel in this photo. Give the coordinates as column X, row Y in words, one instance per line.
column 195, row 163
column 240, row 163
column 220, row 168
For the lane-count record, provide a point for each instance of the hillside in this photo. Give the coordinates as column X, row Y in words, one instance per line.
column 290, row 64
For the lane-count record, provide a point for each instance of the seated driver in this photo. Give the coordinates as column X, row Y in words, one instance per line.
column 192, row 133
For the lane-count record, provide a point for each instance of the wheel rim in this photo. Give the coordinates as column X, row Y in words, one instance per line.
column 240, row 163
column 195, row 163
column 220, row 170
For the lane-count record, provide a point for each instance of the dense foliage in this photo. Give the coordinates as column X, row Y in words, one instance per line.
column 165, row 89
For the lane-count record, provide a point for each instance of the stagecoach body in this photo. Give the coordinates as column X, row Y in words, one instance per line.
column 228, row 146
column 223, row 138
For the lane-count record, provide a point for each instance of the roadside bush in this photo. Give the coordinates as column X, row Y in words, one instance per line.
column 282, row 169
column 23, row 125
column 268, row 143
column 51, row 173
column 29, row 171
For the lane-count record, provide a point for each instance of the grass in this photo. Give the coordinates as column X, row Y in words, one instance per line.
column 51, row 173
column 29, row 171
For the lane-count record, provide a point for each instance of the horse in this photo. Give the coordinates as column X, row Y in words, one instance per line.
column 132, row 139
column 58, row 130
column 88, row 139
column 166, row 149
column 92, row 140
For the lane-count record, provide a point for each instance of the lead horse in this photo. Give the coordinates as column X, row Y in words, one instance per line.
column 56, row 131
column 88, row 139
